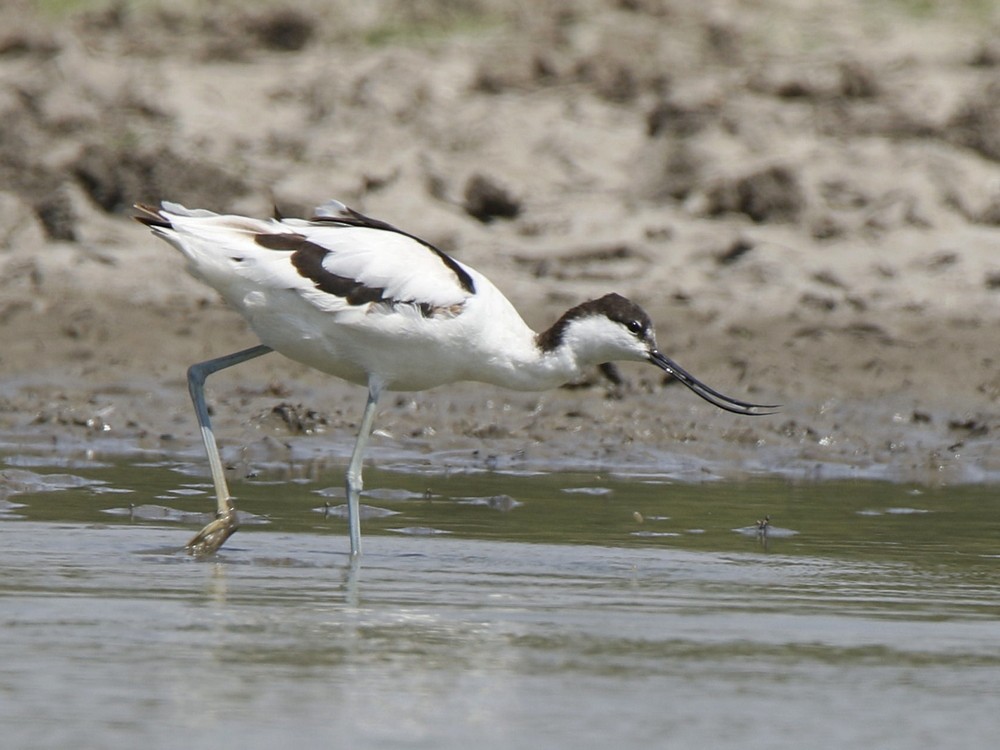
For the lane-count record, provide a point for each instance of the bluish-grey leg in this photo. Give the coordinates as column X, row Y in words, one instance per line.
column 214, row 535
column 354, row 481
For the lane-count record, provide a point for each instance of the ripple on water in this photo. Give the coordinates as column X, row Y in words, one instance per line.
column 164, row 513
column 364, row 511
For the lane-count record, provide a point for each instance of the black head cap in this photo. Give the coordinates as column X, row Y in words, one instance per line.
column 611, row 306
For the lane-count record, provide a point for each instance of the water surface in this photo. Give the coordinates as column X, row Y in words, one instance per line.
column 495, row 610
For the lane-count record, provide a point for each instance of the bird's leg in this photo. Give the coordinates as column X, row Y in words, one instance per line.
column 214, row 535
column 354, row 481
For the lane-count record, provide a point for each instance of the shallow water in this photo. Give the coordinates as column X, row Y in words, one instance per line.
column 551, row 610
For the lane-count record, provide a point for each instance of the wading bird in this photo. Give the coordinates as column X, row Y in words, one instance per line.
column 359, row 299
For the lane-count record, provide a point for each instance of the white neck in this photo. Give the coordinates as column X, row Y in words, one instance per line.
column 503, row 350
column 520, row 363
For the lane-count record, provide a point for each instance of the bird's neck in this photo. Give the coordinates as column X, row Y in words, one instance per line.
column 526, row 362
column 515, row 356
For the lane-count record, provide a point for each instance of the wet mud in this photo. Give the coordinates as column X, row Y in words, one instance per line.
column 807, row 205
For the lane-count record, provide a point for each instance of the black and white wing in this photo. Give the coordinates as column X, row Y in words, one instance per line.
column 338, row 260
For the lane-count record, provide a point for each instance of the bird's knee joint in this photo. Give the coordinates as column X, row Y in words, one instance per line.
column 196, row 375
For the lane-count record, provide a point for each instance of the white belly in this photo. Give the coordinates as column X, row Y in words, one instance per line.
column 401, row 351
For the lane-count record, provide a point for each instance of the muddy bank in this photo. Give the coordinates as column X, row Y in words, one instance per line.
column 808, row 207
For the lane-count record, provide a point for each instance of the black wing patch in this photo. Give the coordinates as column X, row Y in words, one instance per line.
column 307, row 257
column 308, row 261
column 350, row 218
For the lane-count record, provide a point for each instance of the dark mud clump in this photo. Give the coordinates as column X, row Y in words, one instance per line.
column 773, row 193
column 282, row 29
column 486, row 200
column 976, row 124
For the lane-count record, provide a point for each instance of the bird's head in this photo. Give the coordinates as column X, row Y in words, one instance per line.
column 613, row 328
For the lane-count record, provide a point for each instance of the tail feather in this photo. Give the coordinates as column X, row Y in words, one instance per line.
column 155, row 217
column 177, row 209
column 150, row 216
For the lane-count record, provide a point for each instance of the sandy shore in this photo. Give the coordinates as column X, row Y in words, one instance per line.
column 806, row 200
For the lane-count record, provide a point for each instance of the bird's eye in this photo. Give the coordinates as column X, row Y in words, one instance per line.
column 634, row 326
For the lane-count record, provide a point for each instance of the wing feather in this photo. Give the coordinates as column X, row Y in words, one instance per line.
column 339, row 260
